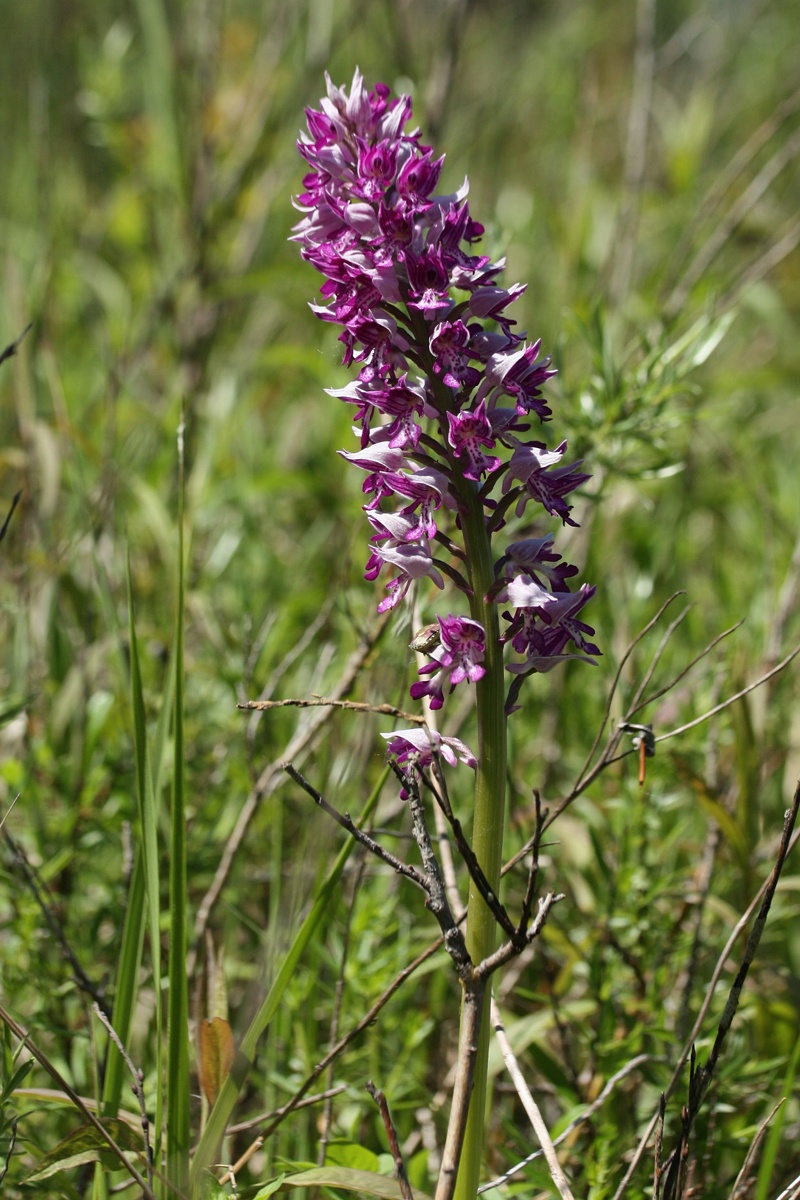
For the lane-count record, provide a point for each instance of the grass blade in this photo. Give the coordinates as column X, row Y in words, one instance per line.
column 178, row 1129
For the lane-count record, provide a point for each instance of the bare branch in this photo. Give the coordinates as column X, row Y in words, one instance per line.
column 366, row 1021
column 740, row 1187
column 529, row 1104
column 533, row 873
column 386, row 710
column 588, row 776
column 712, row 712
column 362, row 838
column 138, row 1088
column 8, row 811
column 511, row 949
column 438, row 903
column 471, row 1018
column 586, row 1115
column 791, row 1191
column 488, row 894
column 656, row 659
column 685, row 670
column 386, row 1117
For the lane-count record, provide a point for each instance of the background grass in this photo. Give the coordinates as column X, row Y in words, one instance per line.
column 149, row 163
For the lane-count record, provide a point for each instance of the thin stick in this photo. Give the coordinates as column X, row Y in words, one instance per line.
column 440, row 823
column 585, row 1116
column 470, row 860
column 15, row 501
column 346, row 822
column 712, row 712
column 279, row 1113
column 637, row 702
column 684, row 671
column 386, row 710
column 512, row 948
column 790, row 1191
column 529, row 1104
column 399, row 1165
column 300, row 745
column 7, row 813
column 740, row 1187
column 137, row 1087
column 751, row 948
column 438, row 903
column 587, row 777
column 12, row 347
column 658, row 1162
column 471, row 1018
column 533, row 872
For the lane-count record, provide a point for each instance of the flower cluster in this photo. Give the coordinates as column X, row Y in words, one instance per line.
column 446, row 392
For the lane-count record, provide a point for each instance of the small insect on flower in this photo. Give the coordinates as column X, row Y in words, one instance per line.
column 426, row 639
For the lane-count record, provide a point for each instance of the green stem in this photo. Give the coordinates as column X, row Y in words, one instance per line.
column 490, row 794
column 488, row 821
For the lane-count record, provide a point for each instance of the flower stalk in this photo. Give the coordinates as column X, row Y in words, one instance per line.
column 445, row 397
column 488, row 826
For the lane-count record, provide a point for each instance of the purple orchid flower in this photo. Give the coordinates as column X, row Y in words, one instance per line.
column 447, row 388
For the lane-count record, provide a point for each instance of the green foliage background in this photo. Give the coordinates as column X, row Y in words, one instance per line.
column 149, row 162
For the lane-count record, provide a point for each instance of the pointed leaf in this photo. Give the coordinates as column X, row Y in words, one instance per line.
column 270, row 1188
column 367, row 1183
column 217, row 1052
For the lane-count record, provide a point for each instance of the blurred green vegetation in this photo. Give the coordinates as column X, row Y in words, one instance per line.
column 649, row 199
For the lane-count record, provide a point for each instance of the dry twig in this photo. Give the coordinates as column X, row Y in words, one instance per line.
column 391, row 1133
column 529, row 1104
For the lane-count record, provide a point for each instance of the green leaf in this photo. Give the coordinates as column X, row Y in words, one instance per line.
column 350, row 1154
column 366, row 1183
column 210, row 1187
column 86, row 1145
column 269, row 1188
column 16, row 1080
